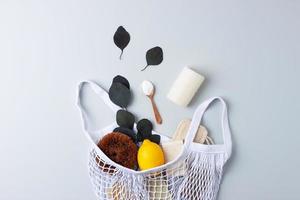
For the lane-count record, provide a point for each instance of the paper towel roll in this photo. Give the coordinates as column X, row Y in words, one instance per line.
column 185, row 87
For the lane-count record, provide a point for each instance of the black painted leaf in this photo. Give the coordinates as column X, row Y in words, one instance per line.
column 139, row 137
column 121, row 39
column 144, row 127
column 125, row 119
column 122, row 80
column 119, row 94
column 155, row 138
column 144, row 124
column 127, row 132
column 154, row 56
column 144, row 134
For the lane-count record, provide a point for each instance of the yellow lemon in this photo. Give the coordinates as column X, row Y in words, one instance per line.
column 150, row 155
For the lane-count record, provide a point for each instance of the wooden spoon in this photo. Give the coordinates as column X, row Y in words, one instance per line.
column 149, row 91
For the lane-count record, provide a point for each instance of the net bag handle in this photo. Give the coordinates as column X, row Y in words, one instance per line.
column 100, row 93
column 197, row 117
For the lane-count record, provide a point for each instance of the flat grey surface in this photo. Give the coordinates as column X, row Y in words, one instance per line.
column 248, row 51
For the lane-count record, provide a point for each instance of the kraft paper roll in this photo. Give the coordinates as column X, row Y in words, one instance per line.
column 185, row 87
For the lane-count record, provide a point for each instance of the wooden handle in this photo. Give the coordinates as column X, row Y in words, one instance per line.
column 156, row 112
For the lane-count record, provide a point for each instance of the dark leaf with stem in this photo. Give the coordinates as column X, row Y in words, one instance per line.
column 154, row 56
column 121, row 39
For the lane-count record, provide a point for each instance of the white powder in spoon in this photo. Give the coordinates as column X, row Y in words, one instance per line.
column 147, row 87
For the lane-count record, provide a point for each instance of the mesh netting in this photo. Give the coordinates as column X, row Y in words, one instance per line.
column 196, row 174
column 195, row 177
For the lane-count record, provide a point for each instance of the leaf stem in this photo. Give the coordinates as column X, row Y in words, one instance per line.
column 121, row 55
column 145, row 68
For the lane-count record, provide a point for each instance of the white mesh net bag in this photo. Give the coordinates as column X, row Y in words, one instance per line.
column 195, row 174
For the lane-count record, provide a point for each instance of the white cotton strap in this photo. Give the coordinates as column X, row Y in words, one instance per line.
column 101, row 93
column 197, row 120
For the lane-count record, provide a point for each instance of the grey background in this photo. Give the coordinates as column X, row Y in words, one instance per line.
column 248, row 51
